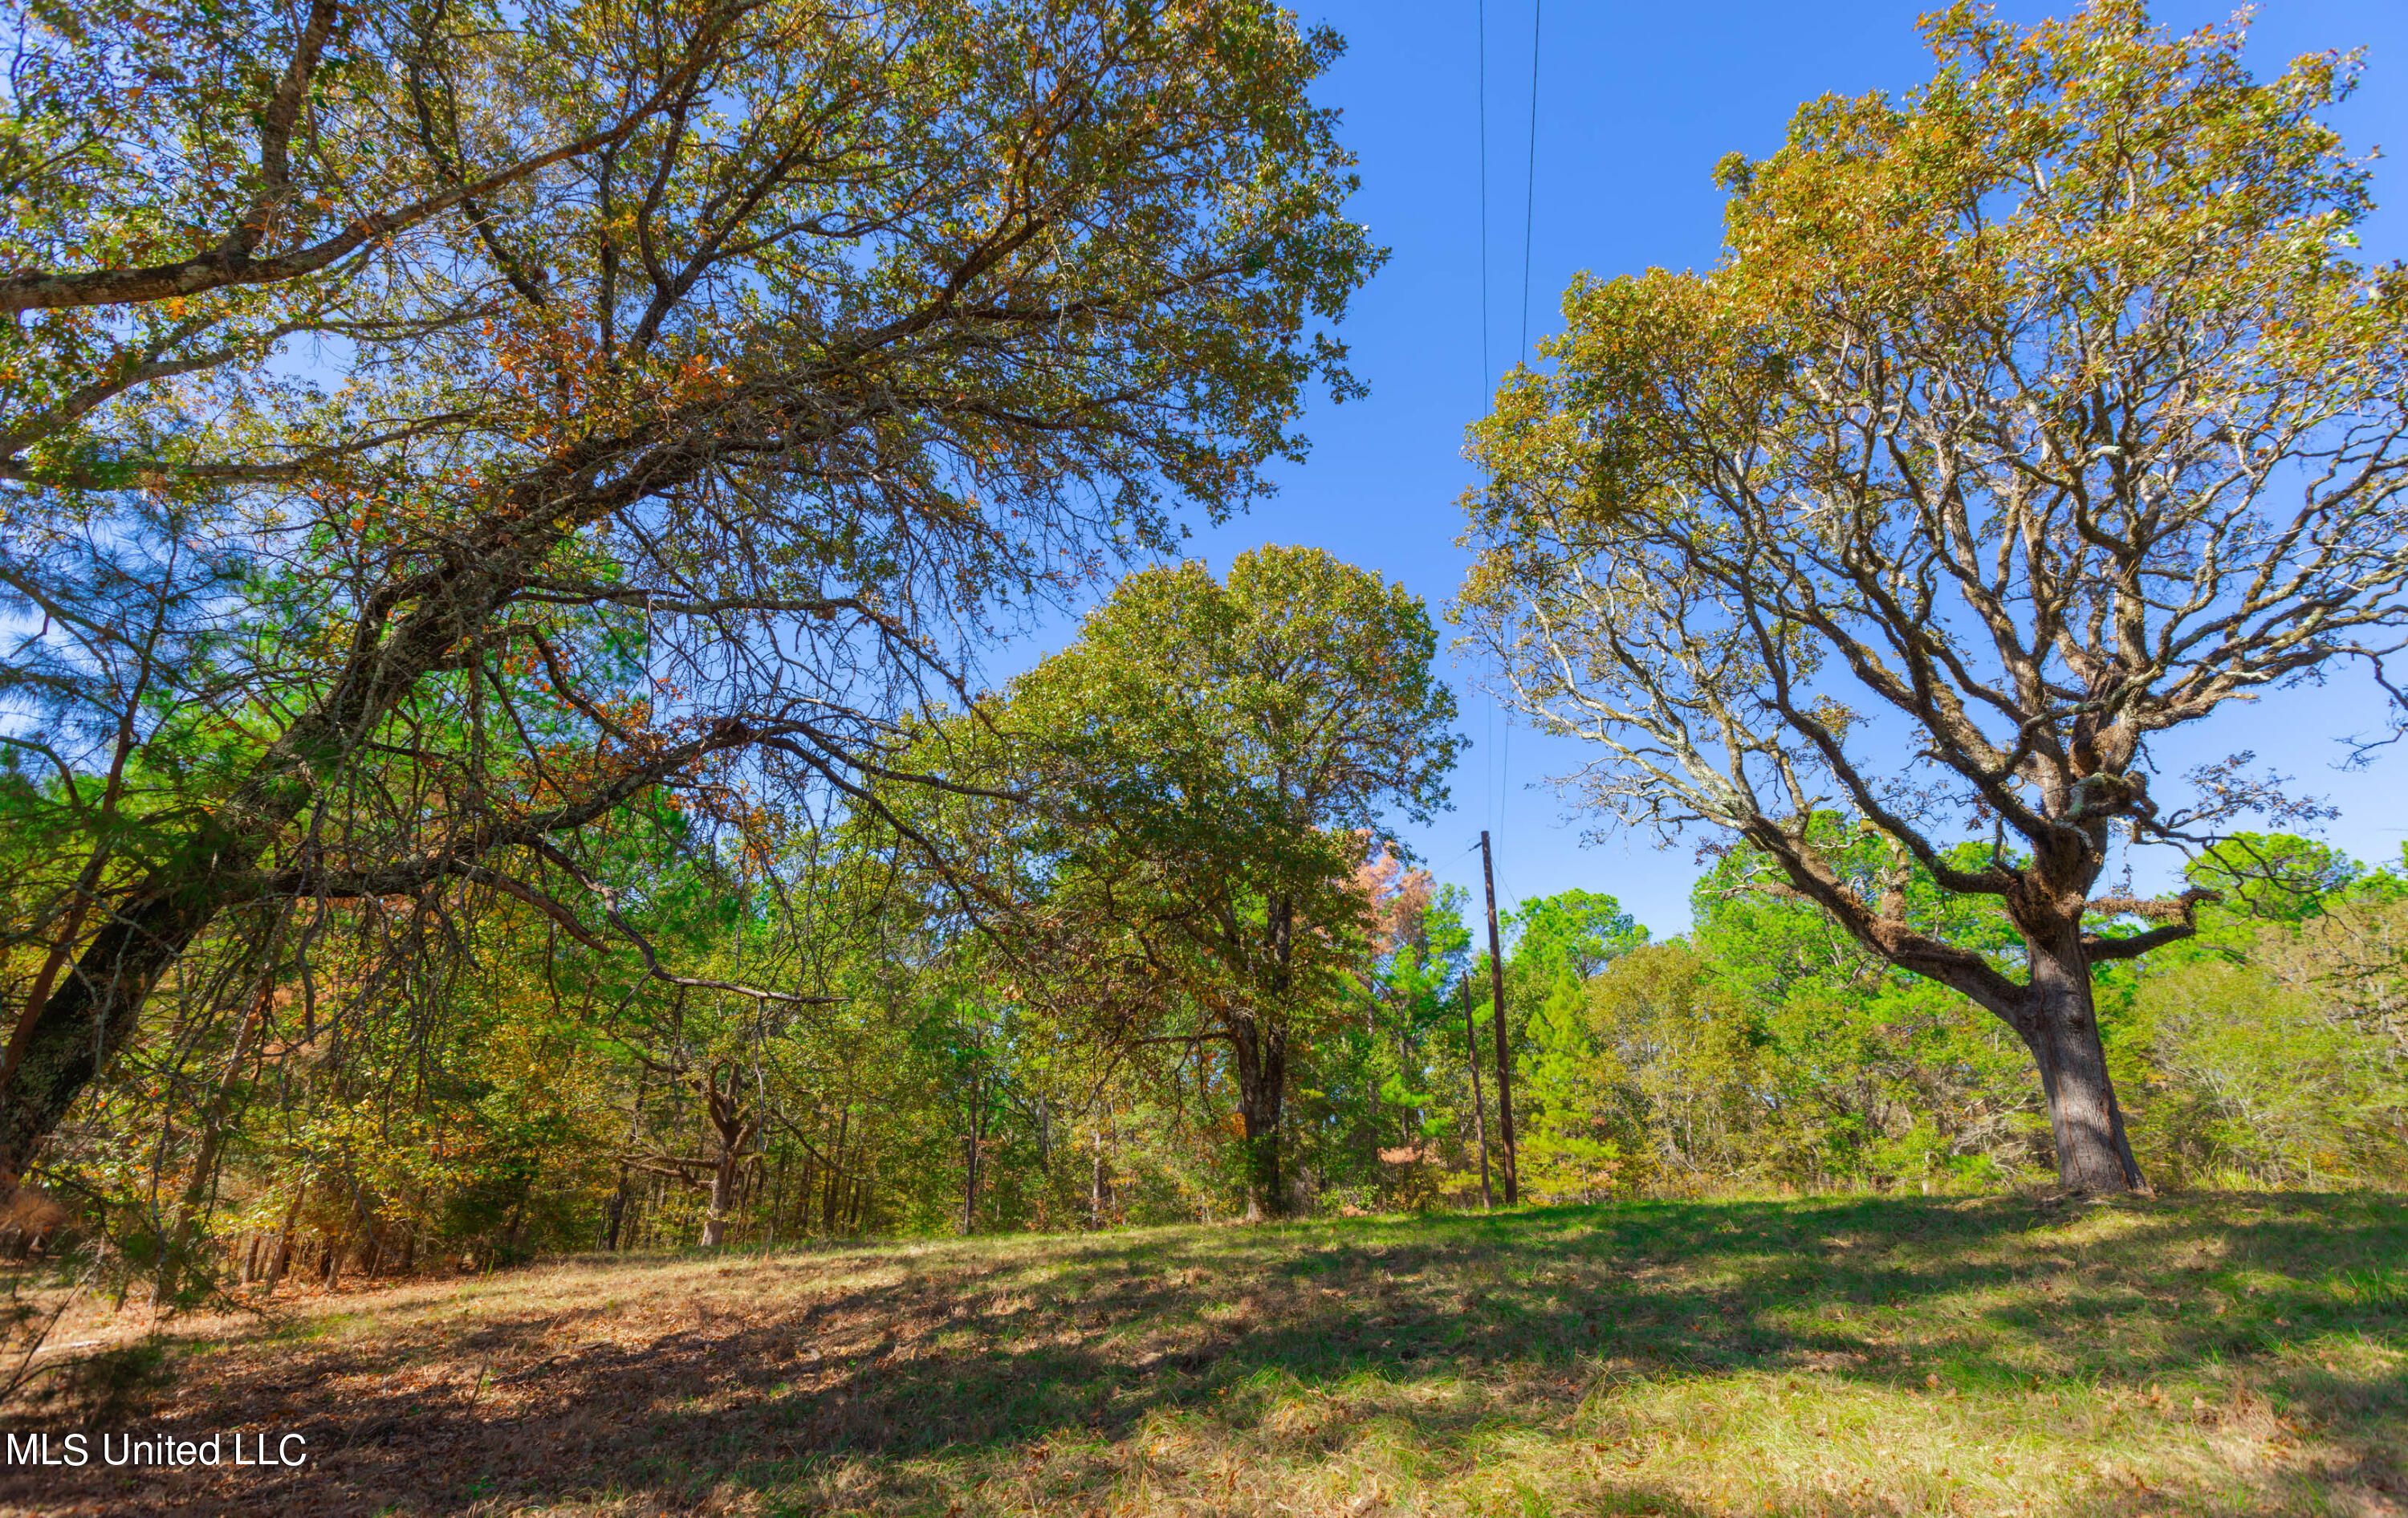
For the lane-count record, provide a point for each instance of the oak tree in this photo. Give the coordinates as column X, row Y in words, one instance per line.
column 1214, row 760
column 2029, row 418
column 665, row 473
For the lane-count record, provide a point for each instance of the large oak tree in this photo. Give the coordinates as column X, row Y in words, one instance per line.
column 686, row 386
column 2029, row 418
column 1212, row 762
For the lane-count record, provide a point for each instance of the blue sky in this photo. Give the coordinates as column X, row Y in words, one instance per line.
column 1635, row 104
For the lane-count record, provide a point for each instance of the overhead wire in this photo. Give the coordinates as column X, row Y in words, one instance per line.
column 1498, row 781
column 1522, row 344
column 1530, row 176
column 1488, row 743
column 1483, row 88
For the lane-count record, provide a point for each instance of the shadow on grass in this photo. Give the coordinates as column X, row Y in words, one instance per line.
column 1037, row 1366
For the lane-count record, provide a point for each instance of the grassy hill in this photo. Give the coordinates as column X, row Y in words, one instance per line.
column 1991, row 1355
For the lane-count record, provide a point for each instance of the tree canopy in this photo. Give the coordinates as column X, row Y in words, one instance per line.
column 737, row 368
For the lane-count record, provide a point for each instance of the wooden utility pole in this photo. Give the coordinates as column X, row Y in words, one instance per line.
column 1478, row 1111
column 1504, row 1054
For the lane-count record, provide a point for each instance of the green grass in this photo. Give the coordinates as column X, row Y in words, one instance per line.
column 2197, row 1354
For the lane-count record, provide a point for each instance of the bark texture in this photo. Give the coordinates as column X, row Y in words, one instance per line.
column 2058, row 1022
column 1261, row 1060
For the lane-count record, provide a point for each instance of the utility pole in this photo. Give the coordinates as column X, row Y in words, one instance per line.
column 1478, row 1111
column 1504, row 1055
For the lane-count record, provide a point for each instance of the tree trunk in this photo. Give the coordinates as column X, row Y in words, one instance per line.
column 974, row 1152
column 88, row 1019
column 1260, row 1043
column 2059, row 1024
column 282, row 1259
column 722, row 1198
column 93, row 1011
column 616, row 1214
column 728, row 1117
column 1262, row 1093
column 970, row 1179
column 777, row 1198
column 836, row 1170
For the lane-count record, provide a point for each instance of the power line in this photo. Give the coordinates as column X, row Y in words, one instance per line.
column 1481, row 11
column 1530, row 180
column 1480, row 15
column 1503, row 762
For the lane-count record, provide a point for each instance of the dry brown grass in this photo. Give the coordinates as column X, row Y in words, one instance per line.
column 2204, row 1354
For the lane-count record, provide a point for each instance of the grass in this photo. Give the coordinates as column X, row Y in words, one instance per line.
column 2220, row 1354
